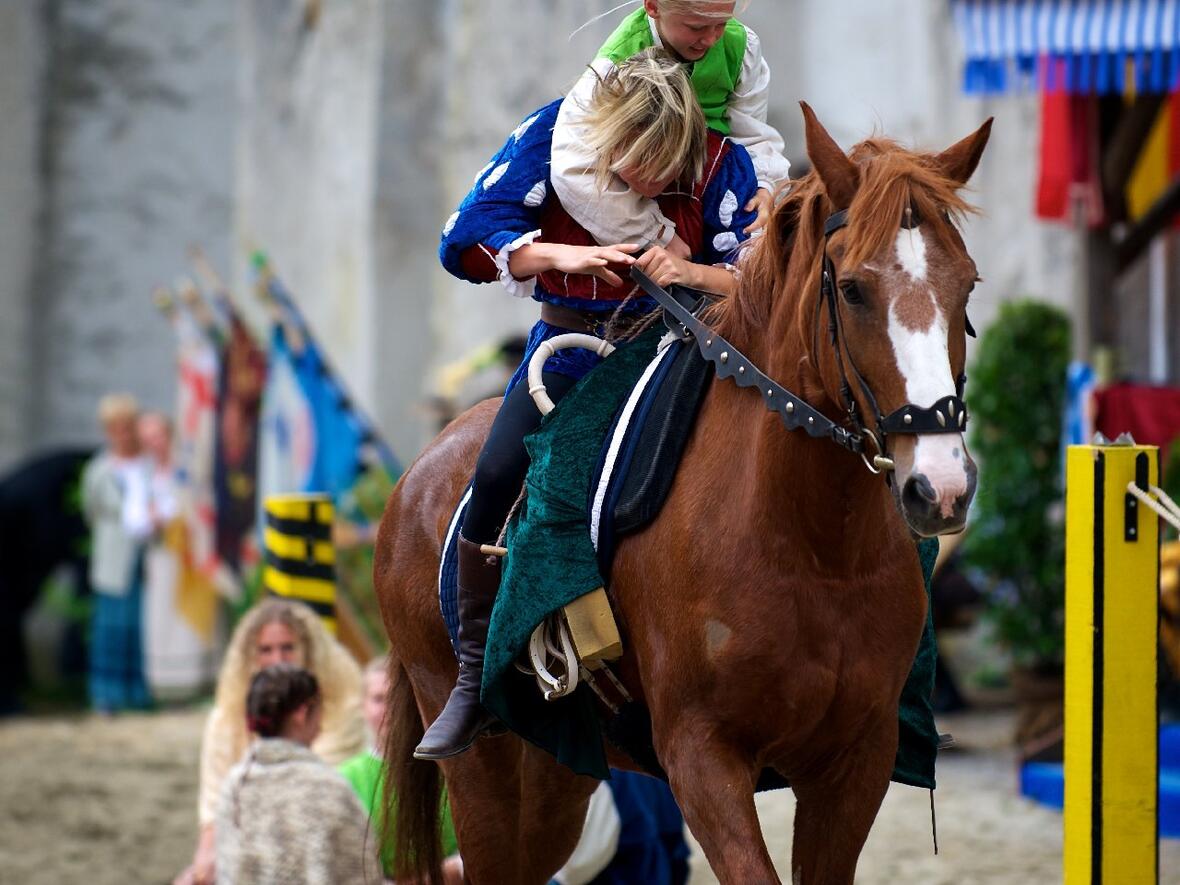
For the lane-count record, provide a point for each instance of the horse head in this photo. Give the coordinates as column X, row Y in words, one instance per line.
column 896, row 277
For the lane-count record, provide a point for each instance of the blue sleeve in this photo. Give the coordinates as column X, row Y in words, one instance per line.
column 724, row 203
column 505, row 201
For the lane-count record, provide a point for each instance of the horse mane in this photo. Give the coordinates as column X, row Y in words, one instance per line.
column 892, row 179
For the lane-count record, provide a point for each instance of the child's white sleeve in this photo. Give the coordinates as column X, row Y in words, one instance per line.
column 616, row 215
column 747, row 118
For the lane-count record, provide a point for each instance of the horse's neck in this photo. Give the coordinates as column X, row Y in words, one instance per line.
column 810, row 493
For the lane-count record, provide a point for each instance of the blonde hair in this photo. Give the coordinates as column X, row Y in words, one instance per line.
column 644, row 116
column 338, row 674
column 694, row 7
column 117, row 407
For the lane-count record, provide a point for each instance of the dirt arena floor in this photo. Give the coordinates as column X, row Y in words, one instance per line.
column 89, row 800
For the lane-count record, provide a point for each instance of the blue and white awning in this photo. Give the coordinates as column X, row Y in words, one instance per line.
column 1081, row 46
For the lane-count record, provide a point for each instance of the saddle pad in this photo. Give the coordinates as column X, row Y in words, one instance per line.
column 631, row 487
column 448, row 573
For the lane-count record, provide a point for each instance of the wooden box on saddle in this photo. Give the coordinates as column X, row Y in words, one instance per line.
column 593, row 629
column 300, row 557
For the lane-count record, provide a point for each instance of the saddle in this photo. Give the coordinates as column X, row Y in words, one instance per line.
column 635, row 469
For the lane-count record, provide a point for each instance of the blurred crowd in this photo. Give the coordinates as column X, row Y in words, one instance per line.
column 291, row 783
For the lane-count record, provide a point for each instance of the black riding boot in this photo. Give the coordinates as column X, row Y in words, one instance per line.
column 463, row 719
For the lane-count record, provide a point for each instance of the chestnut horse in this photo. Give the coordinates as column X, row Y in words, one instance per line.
column 772, row 611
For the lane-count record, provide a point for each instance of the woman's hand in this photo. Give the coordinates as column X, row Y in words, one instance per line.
column 666, row 269
column 535, row 258
column 593, row 260
column 763, row 203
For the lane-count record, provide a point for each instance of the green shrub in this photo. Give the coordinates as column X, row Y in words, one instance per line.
column 1016, row 539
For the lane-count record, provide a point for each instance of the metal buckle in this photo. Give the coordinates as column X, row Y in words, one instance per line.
column 881, row 463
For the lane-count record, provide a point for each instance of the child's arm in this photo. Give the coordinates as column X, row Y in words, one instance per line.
column 747, row 118
column 614, row 215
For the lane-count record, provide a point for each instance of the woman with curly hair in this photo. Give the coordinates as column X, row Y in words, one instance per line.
column 274, row 631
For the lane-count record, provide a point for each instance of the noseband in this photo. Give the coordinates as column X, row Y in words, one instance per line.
column 947, row 415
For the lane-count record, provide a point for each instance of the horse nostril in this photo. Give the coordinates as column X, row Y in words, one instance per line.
column 919, row 492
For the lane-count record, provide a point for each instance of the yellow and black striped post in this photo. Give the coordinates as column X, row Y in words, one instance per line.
column 1111, row 625
column 300, row 558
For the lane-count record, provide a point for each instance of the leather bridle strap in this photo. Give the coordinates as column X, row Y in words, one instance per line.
column 731, row 363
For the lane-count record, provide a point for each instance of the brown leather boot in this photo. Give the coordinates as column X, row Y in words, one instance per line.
column 463, row 719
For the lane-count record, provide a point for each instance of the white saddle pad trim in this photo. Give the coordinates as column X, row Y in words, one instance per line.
column 616, row 443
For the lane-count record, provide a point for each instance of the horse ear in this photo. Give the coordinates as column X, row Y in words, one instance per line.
column 835, row 170
column 958, row 162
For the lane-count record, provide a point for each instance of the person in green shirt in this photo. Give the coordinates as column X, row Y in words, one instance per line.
column 731, row 80
column 366, row 773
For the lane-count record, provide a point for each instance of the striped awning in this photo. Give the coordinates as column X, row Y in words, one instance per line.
column 1079, row 46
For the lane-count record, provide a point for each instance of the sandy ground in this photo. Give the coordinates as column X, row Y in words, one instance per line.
column 89, row 800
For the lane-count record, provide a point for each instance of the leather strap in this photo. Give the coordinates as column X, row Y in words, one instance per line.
column 573, row 319
column 731, row 363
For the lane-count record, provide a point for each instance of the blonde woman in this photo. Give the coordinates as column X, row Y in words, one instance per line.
column 648, row 135
column 274, row 631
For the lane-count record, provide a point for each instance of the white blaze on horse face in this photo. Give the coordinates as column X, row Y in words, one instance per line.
column 925, row 366
column 911, row 252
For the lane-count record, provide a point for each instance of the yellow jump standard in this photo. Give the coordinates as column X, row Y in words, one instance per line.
column 1111, row 629
column 300, row 558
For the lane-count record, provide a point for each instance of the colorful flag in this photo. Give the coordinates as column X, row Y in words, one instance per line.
column 196, row 418
column 316, row 439
column 235, row 470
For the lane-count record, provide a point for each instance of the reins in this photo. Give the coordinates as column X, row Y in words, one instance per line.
column 947, row 415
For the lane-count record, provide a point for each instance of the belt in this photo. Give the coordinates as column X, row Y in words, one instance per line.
column 590, row 321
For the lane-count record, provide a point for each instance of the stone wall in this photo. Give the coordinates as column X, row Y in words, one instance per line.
column 21, row 60
column 137, row 142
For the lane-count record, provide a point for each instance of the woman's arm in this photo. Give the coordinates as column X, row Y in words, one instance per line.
column 537, row 258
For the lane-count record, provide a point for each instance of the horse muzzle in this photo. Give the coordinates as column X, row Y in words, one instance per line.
column 934, row 498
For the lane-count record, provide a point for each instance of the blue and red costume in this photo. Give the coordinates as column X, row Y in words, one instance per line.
column 512, row 203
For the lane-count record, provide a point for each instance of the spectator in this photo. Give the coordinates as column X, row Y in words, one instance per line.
column 284, row 815
column 366, row 774
column 112, row 488
column 274, row 631
column 179, row 608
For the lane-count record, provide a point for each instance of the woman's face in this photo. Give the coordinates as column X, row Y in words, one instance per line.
column 277, row 644
column 691, row 35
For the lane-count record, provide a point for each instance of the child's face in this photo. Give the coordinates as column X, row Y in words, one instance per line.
column 376, row 692
column 691, row 34
column 642, row 184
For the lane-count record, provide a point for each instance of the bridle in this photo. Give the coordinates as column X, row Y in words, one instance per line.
column 947, row 415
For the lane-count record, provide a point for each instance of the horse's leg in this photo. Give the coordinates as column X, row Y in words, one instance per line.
column 836, row 810
column 518, row 813
column 714, row 786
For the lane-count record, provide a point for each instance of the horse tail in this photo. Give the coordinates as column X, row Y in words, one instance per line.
column 413, row 788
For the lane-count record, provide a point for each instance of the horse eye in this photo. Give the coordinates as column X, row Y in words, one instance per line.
column 851, row 292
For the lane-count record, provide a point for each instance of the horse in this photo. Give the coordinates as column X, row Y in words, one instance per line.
column 772, row 611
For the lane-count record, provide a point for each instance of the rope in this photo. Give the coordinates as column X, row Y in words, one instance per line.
column 1165, row 507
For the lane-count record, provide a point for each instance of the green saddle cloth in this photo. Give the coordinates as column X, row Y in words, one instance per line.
column 552, row 562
